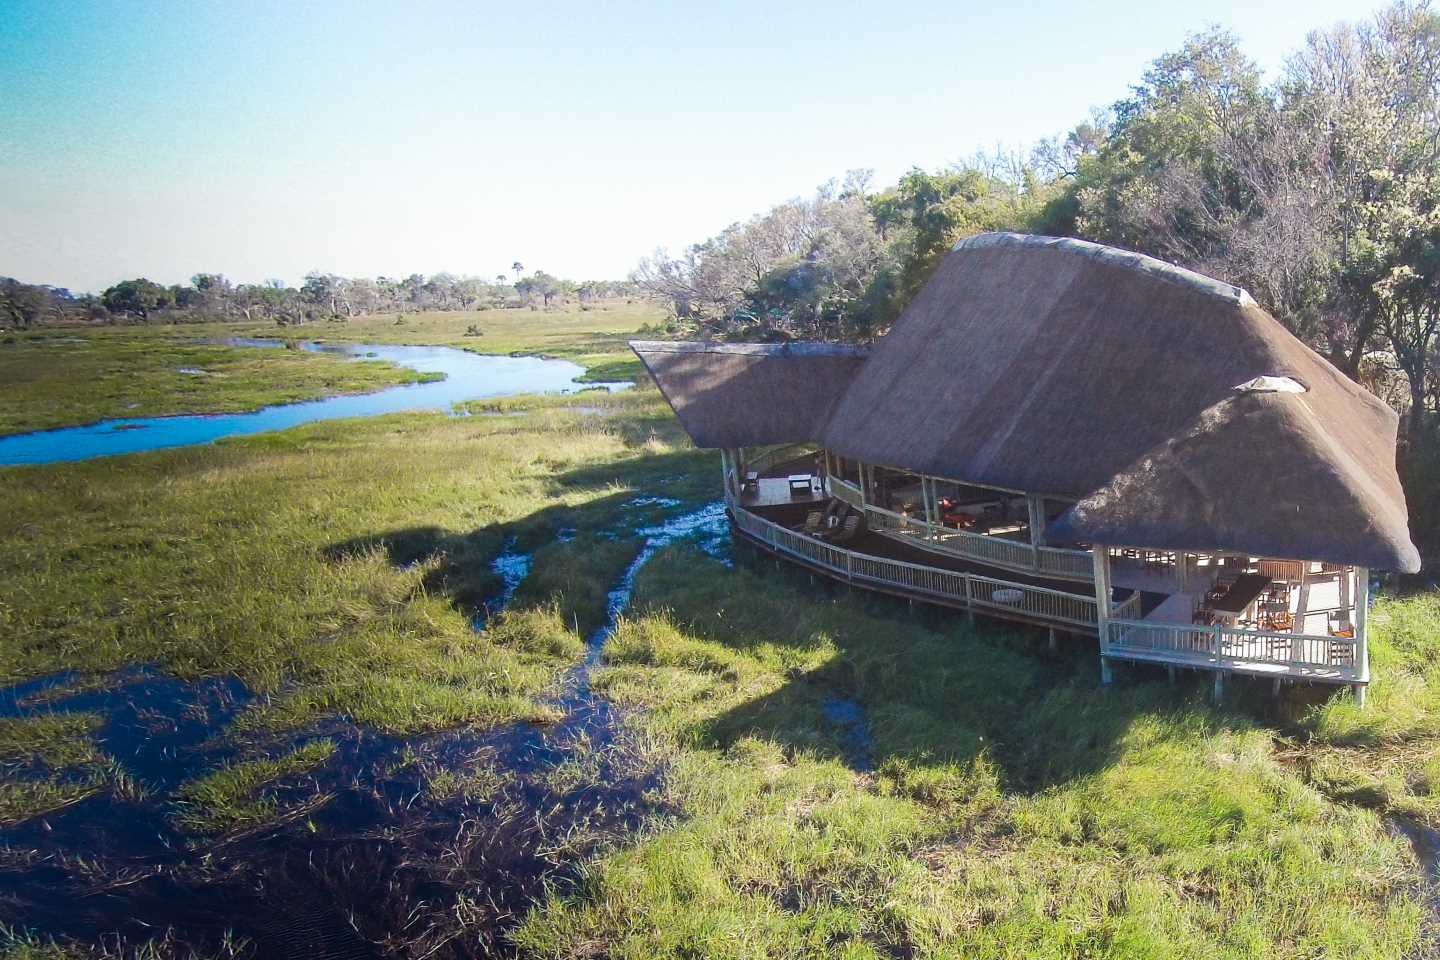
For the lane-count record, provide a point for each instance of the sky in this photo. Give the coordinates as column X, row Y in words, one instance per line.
column 261, row 139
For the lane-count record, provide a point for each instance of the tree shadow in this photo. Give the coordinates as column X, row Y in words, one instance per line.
column 933, row 692
column 577, row 551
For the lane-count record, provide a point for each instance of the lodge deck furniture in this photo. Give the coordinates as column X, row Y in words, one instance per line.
column 1242, row 591
column 800, row 483
column 751, row 482
column 1143, row 432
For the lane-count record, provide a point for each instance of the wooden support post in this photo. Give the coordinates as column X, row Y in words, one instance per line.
column 726, row 474
column 1100, row 557
column 1054, row 641
column 1170, row 669
column 1361, row 624
column 1219, row 684
column 1037, row 520
column 1303, row 603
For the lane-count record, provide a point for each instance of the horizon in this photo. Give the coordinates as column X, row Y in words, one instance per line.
column 262, row 142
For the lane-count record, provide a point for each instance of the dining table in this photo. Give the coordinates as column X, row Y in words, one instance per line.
column 1241, row 594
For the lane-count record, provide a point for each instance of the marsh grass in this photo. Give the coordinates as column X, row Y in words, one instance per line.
column 1014, row 809
column 1006, row 806
column 236, row 795
column 55, row 381
column 336, row 568
column 71, row 375
column 48, row 761
column 20, row 944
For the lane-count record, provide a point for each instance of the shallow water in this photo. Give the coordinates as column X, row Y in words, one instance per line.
column 468, row 376
column 372, row 866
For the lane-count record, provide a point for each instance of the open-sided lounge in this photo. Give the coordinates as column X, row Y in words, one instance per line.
column 1077, row 437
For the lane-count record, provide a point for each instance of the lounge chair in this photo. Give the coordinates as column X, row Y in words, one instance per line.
column 848, row 531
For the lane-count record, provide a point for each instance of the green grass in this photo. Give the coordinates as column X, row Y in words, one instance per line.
column 235, row 796
column 336, row 567
column 70, row 375
column 56, row 379
column 1014, row 808
column 48, row 761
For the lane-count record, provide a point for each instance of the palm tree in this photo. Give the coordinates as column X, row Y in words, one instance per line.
column 519, row 268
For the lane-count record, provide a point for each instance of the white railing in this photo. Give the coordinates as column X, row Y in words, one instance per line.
column 972, row 591
column 996, row 551
column 846, row 491
column 1069, row 564
column 1127, row 609
column 1219, row 645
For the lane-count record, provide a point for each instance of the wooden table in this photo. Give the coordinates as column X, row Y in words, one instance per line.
column 1244, row 591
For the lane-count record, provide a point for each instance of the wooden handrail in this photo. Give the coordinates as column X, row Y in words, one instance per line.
column 973, row 590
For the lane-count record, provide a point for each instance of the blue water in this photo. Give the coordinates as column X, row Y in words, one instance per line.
column 468, row 376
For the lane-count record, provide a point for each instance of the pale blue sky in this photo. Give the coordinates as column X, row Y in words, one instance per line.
column 263, row 139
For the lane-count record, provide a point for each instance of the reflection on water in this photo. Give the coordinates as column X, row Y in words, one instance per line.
column 468, row 376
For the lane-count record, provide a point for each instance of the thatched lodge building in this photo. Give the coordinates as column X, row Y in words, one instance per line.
column 1076, row 437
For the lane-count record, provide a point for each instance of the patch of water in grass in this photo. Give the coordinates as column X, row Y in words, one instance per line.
column 364, row 857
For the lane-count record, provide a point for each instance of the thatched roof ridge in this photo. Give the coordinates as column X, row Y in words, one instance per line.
column 789, row 348
column 1139, row 262
column 750, row 394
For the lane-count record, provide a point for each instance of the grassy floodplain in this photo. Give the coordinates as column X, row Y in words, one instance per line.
column 60, row 376
column 845, row 777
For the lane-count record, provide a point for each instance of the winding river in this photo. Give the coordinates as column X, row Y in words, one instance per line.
column 468, row 376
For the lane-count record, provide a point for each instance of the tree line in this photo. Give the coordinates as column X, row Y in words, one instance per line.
column 210, row 296
column 1318, row 191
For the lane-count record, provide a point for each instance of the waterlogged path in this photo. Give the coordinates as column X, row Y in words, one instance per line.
column 375, row 865
column 467, row 376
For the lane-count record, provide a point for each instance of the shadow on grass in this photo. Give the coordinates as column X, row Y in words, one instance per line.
column 934, row 692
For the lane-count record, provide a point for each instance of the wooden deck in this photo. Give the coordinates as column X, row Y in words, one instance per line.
column 1140, row 629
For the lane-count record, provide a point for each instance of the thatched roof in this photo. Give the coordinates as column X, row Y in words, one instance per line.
column 1307, row 493
column 745, row 394
column 1073, row 369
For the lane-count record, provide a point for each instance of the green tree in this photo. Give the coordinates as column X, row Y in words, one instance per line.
column 138, row 297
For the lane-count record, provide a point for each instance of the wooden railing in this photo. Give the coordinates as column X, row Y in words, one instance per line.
column 770, row 456
column 996, row 551
column 1127, row 609
column 846, row 491
column 974, row 592
column 1217, row 645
